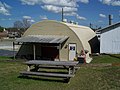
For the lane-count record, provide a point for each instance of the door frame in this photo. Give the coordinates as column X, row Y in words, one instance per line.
column 68, row 49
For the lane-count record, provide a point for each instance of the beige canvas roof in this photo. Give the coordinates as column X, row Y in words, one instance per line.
column 83, row 33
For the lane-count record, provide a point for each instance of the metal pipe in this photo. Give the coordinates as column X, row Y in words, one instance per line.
column 110, row 19
column 13, row 50
column 34, row 52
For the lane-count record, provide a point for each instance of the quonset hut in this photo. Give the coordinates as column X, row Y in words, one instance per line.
column 53, row 40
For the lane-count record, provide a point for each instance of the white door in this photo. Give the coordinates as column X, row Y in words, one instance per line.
column 72, row 51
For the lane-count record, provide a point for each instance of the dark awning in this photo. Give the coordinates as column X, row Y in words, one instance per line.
column 42, row 39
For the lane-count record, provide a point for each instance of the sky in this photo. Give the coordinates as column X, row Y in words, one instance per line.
column 82, row 11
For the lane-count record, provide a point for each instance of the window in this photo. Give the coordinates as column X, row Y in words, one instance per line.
column 72, row 47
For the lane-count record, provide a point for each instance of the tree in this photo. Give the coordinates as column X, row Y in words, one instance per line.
column 1, row 29
column 18, row 24
column 26, row 23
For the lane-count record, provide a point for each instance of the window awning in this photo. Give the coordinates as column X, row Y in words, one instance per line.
column 42, row 39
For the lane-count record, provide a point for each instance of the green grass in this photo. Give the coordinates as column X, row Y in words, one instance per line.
column 5, row 58
column 86, row 78
column 106, row 59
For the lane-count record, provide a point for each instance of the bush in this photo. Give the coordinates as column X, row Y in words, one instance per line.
column 1, row 29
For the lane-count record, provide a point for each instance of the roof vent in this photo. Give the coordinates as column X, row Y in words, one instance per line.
column 72, row 22
column 65, row 20
column 76, row 23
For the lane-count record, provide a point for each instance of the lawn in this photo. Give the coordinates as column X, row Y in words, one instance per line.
column 86, row 78
column 5, row 58
column 106, row 59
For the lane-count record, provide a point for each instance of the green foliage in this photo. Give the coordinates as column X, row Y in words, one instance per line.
column 1, row 29
column 16, row 29
column 3, row 58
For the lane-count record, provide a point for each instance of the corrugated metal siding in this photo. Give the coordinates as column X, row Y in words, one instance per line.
column 42, row 39
column 110, row 41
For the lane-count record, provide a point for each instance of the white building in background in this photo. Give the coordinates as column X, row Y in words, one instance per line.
column 110, row 39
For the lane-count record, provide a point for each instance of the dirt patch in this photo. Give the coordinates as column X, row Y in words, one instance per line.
column 115, row 64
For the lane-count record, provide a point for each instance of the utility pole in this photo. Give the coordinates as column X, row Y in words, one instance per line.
column 62, row 15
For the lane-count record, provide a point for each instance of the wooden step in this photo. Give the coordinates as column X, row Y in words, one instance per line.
column 24, row 73
column 56, row 67
column 53, row 67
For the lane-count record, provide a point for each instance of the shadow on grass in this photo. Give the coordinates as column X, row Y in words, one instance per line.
column 44, row 79
column 114, row 56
